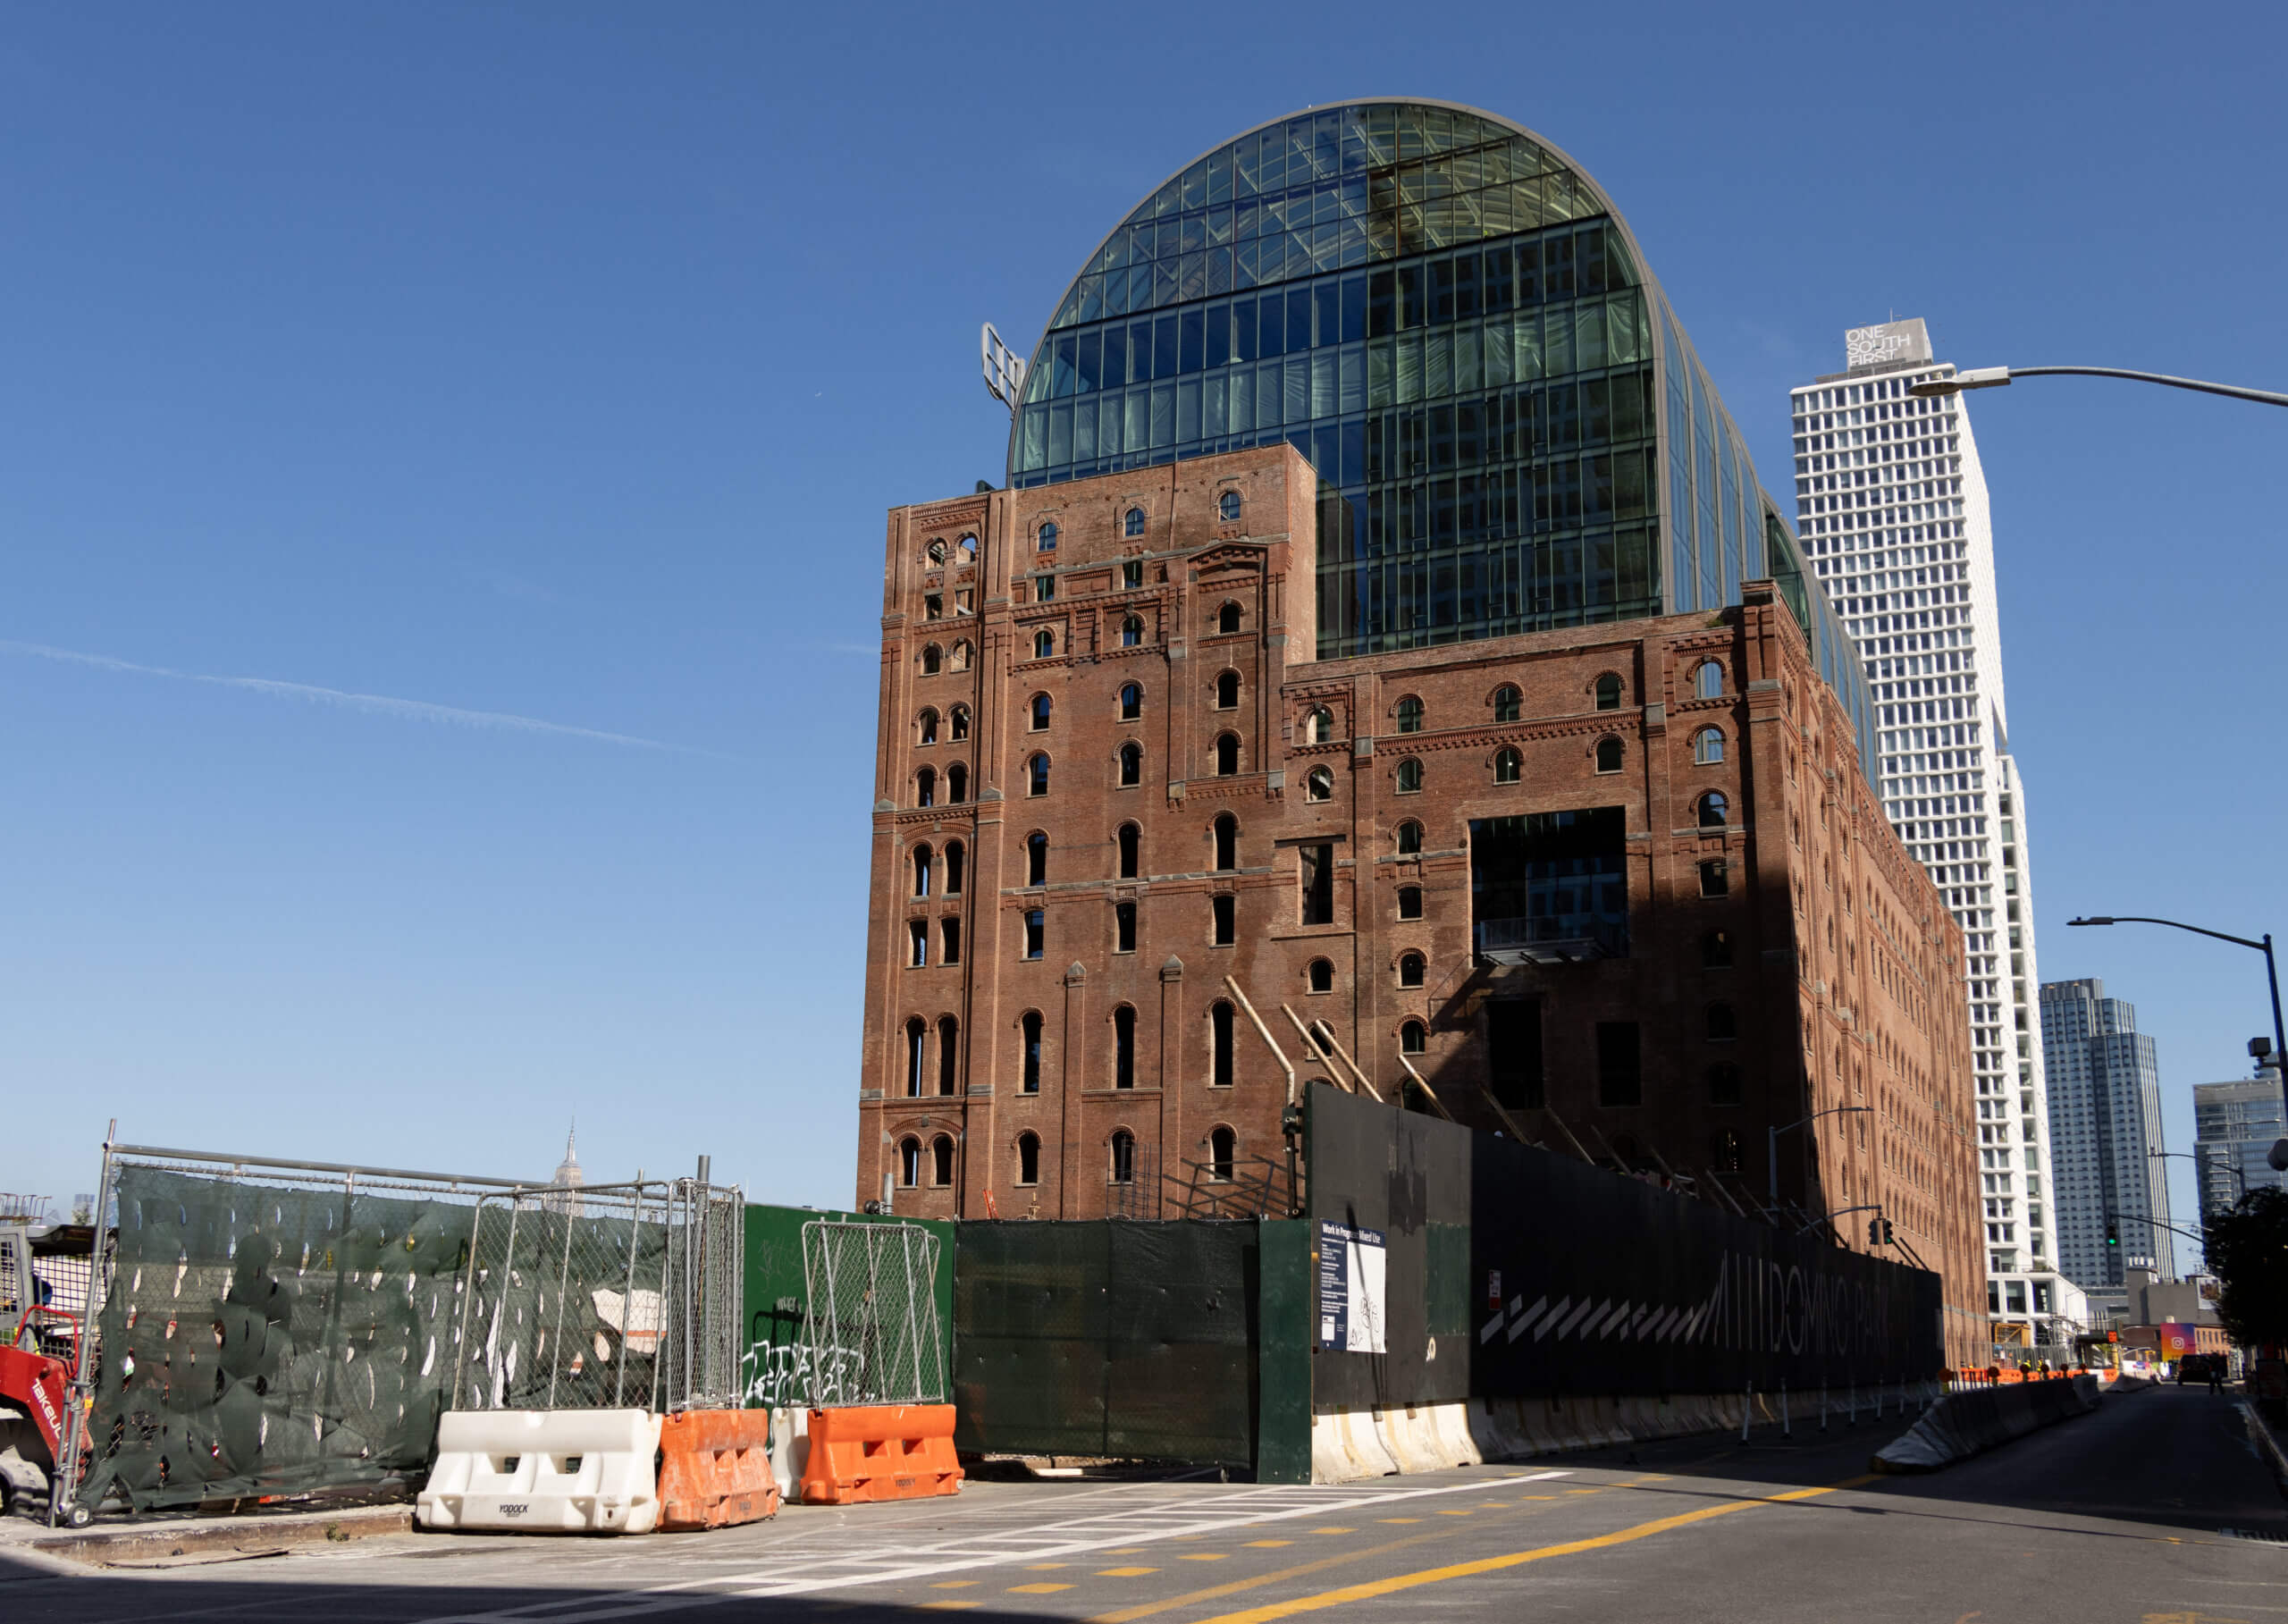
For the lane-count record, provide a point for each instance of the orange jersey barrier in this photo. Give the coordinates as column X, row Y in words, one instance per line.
column 715, row 1470
column 882, row 1451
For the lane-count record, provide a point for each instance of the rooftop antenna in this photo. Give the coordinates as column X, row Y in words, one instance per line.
column 1004, row 368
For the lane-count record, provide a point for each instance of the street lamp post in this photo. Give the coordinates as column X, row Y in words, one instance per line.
column 1772, row 1157
column 1997, row 377
column 2205, row 1161
column 2271, row 974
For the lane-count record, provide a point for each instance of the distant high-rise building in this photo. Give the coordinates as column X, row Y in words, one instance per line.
column 1891, row 506
column 2105, row 1134
column 569, row 1178
column 2234, row 1125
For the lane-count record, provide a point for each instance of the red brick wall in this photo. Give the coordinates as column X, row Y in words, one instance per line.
column 1845, row 983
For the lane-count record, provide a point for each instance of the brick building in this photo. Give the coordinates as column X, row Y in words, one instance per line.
column 1619, row 884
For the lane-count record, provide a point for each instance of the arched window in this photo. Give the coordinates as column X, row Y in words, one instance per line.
column 1410, row 902
column 1716, row 950
column 1708, row 681
column 1037, row 859
column 918, row 953
column 1413, row 1038
column 1714, row 807
column 1131, row 702
column 1037, row 776
column 924, row 861
column 935, row 552
column 929, row 728
column 1038, row 713
column 925, row 787
column 1724, row 1026
column 1409, row 838
column 1608, row 756
column 1223, row 1154
column 1031, row 1026
column 1123, row 1157
column 1133, row 524
column 967, row 545
column 1132, row 764
column 1608, row 692
column 1131, row 844
column 1227, row 505
column 1318, row 727
column 1318, row 785
column 959, row 661
column 1412, row 967
column 960, row 718
column 1708, row 747
column 930, row 658
column 1409, row 715
column 941, row 1160
column 1227, row 842
column 1227, row 754
column 1219, row 1025
column 949, row 1052
column 1227, row 618
column 1045, row 538
column 1044, row 643
column 1724, row 1085
column 917, row 1055
column 1509, row 766
column 1131, row 631
column 1124, row 1048
column 1409, row 777
column 909, row 1163
column 1227, row 691
column 1028, row 1158
column 953, row 855
column 1508, row 705
column 1320, row 977
column 956, row 784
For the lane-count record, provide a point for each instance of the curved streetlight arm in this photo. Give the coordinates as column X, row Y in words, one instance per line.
column 2205, row 1161
column 1771, row 1159
column 1997, row 377
column 2271, row 976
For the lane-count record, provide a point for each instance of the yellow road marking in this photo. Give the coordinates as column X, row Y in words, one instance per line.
column 1202, row 1556
column 1045, row 1567
column 1376, row 1588
column 1584, row 1491
column 1123, row 1573
column 1334, row 1530
column 1397, row 1519
column 953, row 1584
column 1541, row 1497
column 1462, row 1513
column 1036, row 1589
column 1267, row 1544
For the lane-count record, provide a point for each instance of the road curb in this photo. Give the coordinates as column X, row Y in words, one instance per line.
column 2266, row 1444
column 223, row 1537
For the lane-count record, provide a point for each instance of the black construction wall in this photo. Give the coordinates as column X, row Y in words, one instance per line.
column 1514, row 1272
column 1108, row 1337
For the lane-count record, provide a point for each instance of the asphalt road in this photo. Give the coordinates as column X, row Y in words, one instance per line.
column 2157, row 1510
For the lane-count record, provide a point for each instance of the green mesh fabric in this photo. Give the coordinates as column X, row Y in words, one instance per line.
column 260, row 1340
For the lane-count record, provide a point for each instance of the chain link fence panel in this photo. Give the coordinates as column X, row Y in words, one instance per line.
column 872, row 1327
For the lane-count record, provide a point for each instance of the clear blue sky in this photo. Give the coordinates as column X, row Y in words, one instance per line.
column 557, row 362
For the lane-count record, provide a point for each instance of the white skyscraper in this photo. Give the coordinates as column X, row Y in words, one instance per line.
column 1891, row 505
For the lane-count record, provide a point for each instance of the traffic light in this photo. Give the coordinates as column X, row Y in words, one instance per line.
column 2112, row 1235
column 1887, row 1232
column 1874, row 1232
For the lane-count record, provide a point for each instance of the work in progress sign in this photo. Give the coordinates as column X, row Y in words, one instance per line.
column 1350, row 1289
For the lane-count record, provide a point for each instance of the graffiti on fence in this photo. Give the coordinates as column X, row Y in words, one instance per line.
column 784, row 1373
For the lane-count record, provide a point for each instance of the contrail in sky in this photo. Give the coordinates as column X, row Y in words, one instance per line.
column 373, row 705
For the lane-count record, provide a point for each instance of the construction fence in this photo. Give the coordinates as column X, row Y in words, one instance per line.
column 269, row 1330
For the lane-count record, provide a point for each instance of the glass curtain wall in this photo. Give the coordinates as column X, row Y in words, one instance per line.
column 1452, row 324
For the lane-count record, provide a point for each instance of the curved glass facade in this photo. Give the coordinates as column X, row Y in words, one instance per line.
column 1453, row 324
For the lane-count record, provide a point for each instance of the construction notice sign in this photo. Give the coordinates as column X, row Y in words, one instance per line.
column 1350, row 1289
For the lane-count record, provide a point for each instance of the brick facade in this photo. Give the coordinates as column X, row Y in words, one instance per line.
column 1824, row 971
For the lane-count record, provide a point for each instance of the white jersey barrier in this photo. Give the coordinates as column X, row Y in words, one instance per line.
column 563, row 1471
